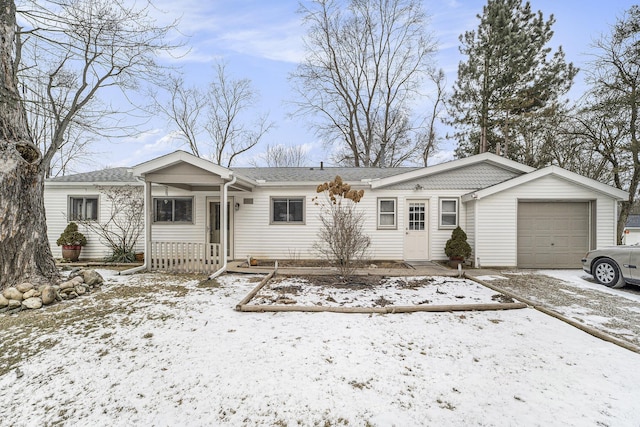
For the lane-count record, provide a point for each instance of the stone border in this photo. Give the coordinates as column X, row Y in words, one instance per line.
column 588, row 329
column 25, row 296
column 244, row 307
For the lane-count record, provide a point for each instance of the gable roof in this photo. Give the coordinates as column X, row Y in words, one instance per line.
column 180, row 156
column 489, row 158
column 549, row 170
column 471, row 177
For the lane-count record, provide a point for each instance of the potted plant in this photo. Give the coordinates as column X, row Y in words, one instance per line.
column 72, row 242
column 457, row 248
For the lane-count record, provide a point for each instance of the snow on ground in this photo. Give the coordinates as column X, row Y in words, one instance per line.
column 418, row 290
column 161, row 350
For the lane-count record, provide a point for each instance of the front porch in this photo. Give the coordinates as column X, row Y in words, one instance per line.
column 185, row 257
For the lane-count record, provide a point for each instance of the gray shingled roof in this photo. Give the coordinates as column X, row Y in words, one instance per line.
column 472, row 177
column 317, row 175
column 301, row 174
column 104, row 175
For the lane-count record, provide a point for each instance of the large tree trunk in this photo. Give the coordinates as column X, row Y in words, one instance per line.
column 25, row 254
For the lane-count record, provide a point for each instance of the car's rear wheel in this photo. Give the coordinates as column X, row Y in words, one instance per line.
column 606, row 272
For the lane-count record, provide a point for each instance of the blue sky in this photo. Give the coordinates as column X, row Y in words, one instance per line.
column 262, row 41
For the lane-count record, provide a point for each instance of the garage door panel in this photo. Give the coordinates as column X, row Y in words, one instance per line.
column 552, row 234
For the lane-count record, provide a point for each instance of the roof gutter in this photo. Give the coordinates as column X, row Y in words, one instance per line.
column 223, row 227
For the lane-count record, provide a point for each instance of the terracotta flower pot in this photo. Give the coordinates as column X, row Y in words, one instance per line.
column 71, row 253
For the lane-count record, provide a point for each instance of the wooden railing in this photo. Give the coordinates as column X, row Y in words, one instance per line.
column 179, row 257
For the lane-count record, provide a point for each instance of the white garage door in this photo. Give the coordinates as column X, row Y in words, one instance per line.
column 552, row 234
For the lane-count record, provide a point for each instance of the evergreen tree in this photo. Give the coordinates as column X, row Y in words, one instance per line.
column 509, row 81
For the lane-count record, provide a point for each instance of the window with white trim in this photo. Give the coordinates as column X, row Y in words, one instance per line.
column 83, row 208
column 287, row 210
column 173, row 209
column 387, row 213
column 448, row 213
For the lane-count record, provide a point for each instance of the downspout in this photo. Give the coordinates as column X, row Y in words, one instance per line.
column 147, row 230
column 223, row 227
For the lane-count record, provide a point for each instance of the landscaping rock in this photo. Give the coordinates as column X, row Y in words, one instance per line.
column 32, row 303
column 12, row 293
column 29, row 294
column 92, row 277
column 67, row 285
column 48, row 295
column 24, row 287
column 26, row 296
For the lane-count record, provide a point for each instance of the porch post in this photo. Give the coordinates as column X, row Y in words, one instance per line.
column 223, row 224
column 148, row 220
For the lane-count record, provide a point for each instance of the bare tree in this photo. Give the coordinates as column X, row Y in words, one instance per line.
column 365, row 62
column 25, row 254
column 124, row 223
column 231, row 135
column 283, row 156
column 219, row 125
column 85, row 47
column 342, row 239
column 185, row 109
column 430, row 136
column 610, row 117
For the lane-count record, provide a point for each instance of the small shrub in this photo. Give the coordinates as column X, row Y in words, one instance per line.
column 71, row 236
column 457, row 246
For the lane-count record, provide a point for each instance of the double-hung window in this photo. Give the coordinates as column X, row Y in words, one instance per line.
column 173, row 209
column 448, row 213
column 387, row 213
column 287, row 210
column 83, row 208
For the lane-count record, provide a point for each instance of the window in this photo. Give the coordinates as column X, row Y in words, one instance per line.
column 387, row 213
column 448, row 213
column 173, row 209
column 83, row 208
column 287, row 210
column 417, row 218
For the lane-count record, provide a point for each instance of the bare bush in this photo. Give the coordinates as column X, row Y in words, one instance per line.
column 124, row 224
column 342, row 239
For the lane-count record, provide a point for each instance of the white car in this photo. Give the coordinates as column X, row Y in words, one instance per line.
column 615, row 266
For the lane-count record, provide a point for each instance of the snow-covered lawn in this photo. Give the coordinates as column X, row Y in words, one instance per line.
column 169, row 350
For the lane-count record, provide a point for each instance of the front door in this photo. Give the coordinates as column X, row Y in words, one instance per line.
column 416, row 246
column 214, row 225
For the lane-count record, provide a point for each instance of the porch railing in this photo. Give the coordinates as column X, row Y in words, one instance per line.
column 183, row 257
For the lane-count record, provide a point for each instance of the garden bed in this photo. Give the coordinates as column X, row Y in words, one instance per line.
column 373, row 294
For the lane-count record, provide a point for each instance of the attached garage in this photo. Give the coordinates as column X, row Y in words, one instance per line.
column 546, row 218
column 552, row 234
